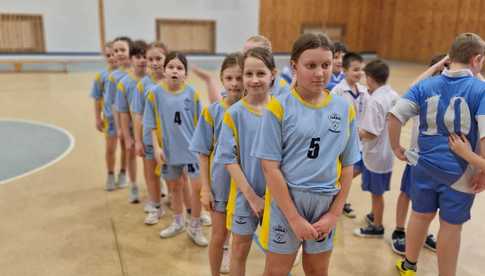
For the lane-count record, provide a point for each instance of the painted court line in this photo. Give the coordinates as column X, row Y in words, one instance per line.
column 72, row 142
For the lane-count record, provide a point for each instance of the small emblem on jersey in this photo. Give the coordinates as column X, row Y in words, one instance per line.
column 187, row 104
column 240, row 220
column 334, row 121
column 279, row 234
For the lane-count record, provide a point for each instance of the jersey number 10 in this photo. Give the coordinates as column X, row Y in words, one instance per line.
column 453, row 116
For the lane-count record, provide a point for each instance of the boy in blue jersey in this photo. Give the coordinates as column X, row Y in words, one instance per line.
column 307, row 143
column 105, row 123
column 124, row 99
column 338, row 75
column 453, row 102
column 376, row 152
column 121, row 49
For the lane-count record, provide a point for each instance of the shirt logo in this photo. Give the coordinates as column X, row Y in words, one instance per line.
column 334, row 120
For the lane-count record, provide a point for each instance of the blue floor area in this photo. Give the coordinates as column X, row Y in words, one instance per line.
column 26, row 146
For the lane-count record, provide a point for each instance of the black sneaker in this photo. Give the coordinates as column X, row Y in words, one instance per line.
column 398, row 243
column 348, row 211
column 369, row 218
column 430, row 243
column 371, row 231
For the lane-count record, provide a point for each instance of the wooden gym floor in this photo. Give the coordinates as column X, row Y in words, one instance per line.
column 60, row 221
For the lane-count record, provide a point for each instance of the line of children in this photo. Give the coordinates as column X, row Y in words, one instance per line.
column 452, row 103
column 105, row 123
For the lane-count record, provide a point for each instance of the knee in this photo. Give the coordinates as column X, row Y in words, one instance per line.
column 315, row 270
column 425, row 217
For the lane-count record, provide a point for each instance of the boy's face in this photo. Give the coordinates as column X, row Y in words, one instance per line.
column 372, row 85
column 477, row 64
column 110, row 57
column 139, row 62
column 354, row 73
column 122, row 52
column 337, row 62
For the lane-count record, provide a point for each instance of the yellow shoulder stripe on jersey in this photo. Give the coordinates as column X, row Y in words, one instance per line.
column 140, row 87
column 196, row 107
column 207, row 116
column 97, row 78
column 276, row 108
column 351, row 113
column 121, row 87
column 111, row 78
column 228, row 121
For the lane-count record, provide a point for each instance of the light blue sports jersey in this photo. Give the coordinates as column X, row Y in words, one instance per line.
column 174, row 115
column 312, row 142
column 453, row 102
column 110, row 90
column 98, row 89
column 335, row 79
column 280, row 86
column 125, row 93
column 138, row 105
column 205, row 142
column 239, row 127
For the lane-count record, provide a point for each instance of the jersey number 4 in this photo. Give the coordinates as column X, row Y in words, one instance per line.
column 457, row 118
column 177, row 119
column 314, row 148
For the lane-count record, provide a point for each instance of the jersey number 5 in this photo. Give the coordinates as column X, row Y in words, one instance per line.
column 314, row 149
column 457, row 118
column 177, row 118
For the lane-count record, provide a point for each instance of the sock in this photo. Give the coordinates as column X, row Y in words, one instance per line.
column 189, row 211
column 195, row 222
column 179, row 219
column 408, row 265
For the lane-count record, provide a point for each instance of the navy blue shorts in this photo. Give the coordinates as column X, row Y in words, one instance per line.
column 375, row 183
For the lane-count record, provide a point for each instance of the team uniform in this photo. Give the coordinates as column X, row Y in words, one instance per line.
column 125, row 94
column 335, row 79
column 174, row 116
column 358, row 100
column 205, row 141
column 453, row 102
column 98, row 93
column 377, row 154
column 312, row 142
column 239, row 127
column 110, row 95
column 138, row 107
column 280, row 86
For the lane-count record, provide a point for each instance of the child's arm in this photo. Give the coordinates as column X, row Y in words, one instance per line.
column 394, row 128
column 213, row 89
column 279, row 192
column 97, row 114
column 206, row 198
column 365, row 135
column 255, row 202
column 138, row 132
column 433, row 69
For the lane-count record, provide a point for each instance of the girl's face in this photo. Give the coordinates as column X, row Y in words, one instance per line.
column 232, row 81
column 354, row 73
column 175, row 72
column 155, row 60
column 139, row 63
column 313, row 69
column 257, row 77
column 122, row 52
column 337, row 62
column 110, row 57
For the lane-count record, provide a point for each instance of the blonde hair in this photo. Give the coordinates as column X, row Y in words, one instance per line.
column 264, row 41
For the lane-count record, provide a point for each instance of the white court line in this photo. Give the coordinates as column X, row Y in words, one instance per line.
column 72, row 142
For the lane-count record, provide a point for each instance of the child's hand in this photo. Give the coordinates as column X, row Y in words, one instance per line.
column 257, row 205
column 159, row 156
column 207, row 200
column 139, row 149
column 325, row 224
column 201, row 73
column 459, row 145
column 99, row 124
column 478, row 182
column 399, row 152
column 303, row 229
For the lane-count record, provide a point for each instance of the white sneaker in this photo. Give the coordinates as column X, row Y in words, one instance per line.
column 154, row 215
column 195, row 233
column 226, row 258
column 110, row 183
column 122, row 183
column 134, row 196
column 147, row 207
column 205, row 219
column 298, row 256
column 172, row 230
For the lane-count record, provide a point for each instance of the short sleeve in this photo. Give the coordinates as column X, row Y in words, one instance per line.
column 97, row 88
column 374, row 119
column 351, row 153
column 121, row 102
column 228, row 150
column 203, row 138
column 149, row 113
column 138, row 98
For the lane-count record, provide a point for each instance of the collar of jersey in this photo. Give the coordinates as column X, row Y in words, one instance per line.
column 166, row 88
column 132, row 75
column 458, row 73
column 250, row 108
column 223, row 104
column 348, row 89
column 321, row 104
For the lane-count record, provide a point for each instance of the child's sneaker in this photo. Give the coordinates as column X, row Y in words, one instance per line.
column 147, row 207
column 348, row 211
column 402, row 271
column 369, row 218
column 196, row 235
column 122, row 183
column 430, row 243
column 205, row 219
column 110, row 183
column 398, row 243
column 226, row 258
column 371, row 231
column 134, row 196
column 172, row 230
column 154, row 215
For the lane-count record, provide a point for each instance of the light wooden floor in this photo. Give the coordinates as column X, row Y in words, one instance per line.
column 60, row 221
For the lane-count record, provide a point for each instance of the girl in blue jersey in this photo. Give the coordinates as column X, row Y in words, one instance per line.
column 155, row 56
column 103, row 122
column 240, row 124
column 307, row 144
column 172, row 111
column 214, row 177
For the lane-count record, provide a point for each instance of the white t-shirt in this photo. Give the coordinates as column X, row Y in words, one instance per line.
column 358, row 100
column 377, row 153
